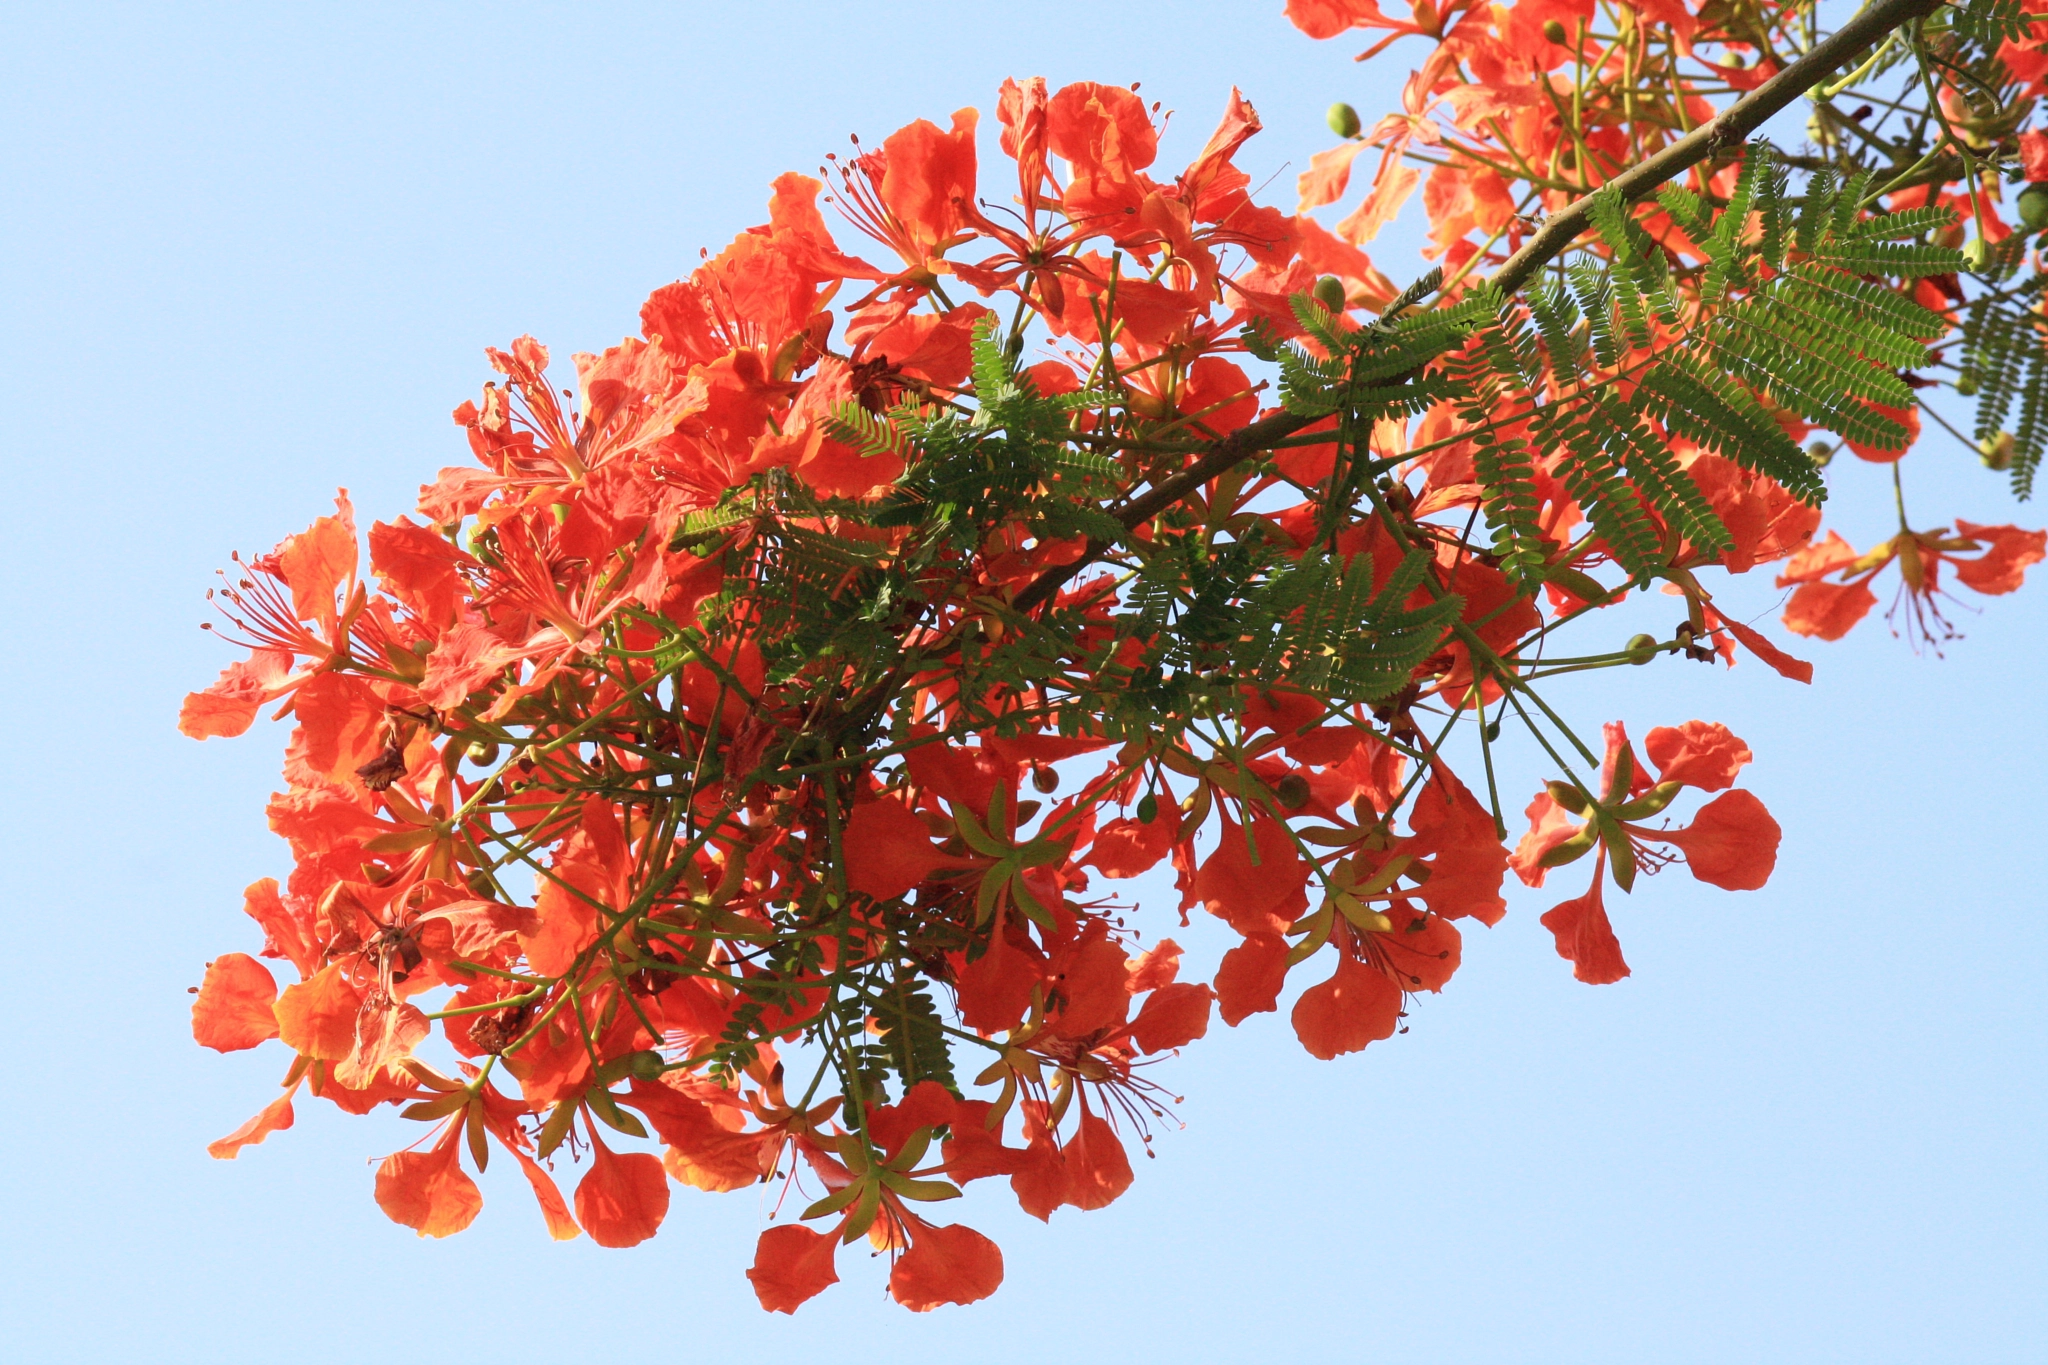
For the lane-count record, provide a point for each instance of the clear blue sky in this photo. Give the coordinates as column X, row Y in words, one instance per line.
column 250, row 253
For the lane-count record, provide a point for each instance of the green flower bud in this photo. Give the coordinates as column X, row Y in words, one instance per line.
column 1045, row 780
column 1554, row 32
column 1966, row 383
column 1329, row 292
column 483, row 752
column 1292, row 792
column 1148, row 808
column 646, row 1065
column 1641, row 648
column 1976, row 253
column 1344, row 120
column 1996, row 453
column 2034, row 207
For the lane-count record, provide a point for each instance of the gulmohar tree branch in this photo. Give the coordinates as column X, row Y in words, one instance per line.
column 727, row 775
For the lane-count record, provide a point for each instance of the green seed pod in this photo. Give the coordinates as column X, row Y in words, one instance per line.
column 1966, row 383
column 1329, row 292
column 1554, row 32
column 1148, row 808
column 1344, row 120
column 2034, row 207
column 1641, row 648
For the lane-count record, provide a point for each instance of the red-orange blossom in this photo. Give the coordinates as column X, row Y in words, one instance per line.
column 561, row 814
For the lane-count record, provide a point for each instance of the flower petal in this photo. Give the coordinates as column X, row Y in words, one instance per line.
column 791, row 1266
column 236, row 1008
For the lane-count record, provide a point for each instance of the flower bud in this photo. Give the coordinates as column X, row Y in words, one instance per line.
column 2034, row 207
column 483, row 752
column 1148, row 808
column 1996, row 451
column 1343, row 120
column 1291, row 792
column 1820, row 452
column 1976, row 253
column 1641, row 648
column 1966, row 383
column 1329, row 292
column 1554, row 32
column 1045, row 780
column 647, row 1066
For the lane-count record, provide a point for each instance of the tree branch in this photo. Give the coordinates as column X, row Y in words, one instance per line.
column 1728, row 129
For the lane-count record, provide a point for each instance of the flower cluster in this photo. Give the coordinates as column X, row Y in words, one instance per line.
column 748, row 733
column 1520, row 109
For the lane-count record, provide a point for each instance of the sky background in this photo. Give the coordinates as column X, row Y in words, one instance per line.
column 251, row 253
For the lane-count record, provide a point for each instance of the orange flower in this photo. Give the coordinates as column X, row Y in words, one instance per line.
column 1731, row 843
column 284, row 608
column 694, row 721
column 1381, row 958
column 1831, row 610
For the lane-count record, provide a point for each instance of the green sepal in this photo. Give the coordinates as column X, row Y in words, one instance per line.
column 834, row 1201
column 556, row 1128
column 439, row 1107
column 606, row 1108
column 922, row 1191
